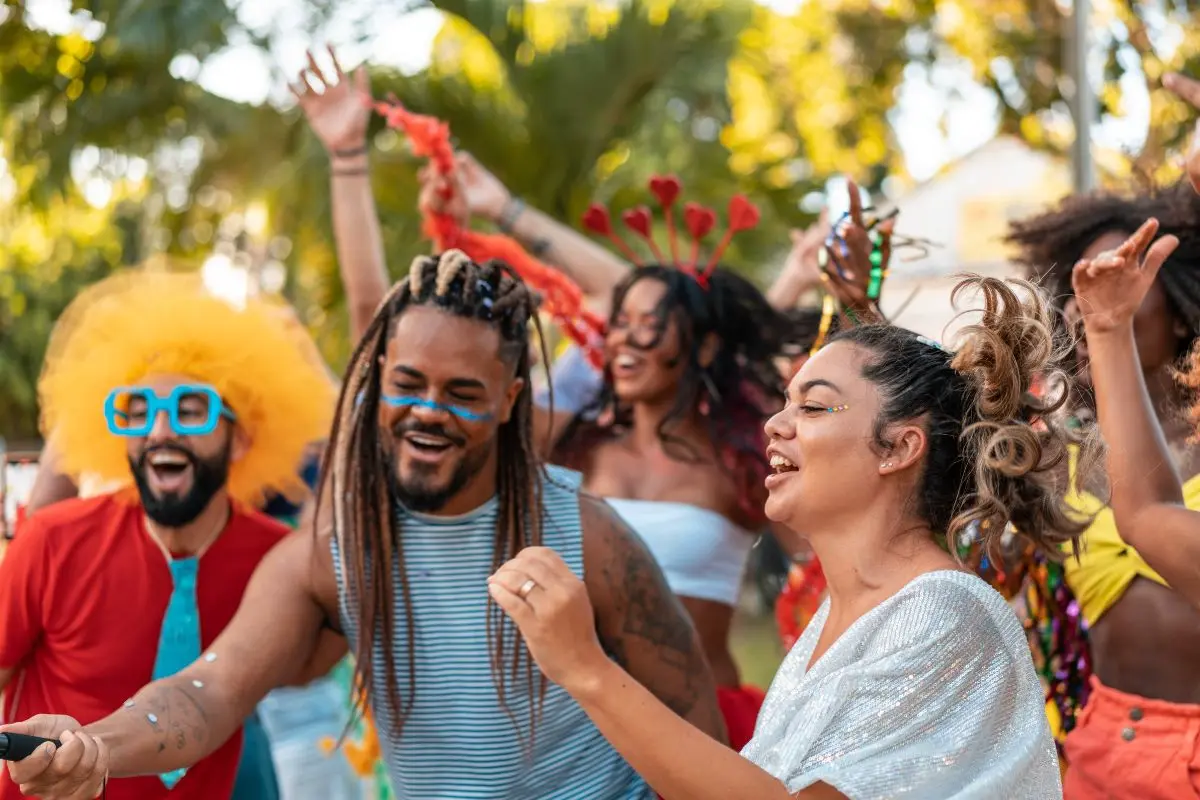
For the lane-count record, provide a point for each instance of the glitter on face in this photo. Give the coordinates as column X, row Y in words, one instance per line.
column 153, row 719
column 198, row 684
column 211, row 657
column 129, row 704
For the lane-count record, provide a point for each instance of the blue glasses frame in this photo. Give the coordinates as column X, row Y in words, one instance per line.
column 118, row 418
column 420, row 402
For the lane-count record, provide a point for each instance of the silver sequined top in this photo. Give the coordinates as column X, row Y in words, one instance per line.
column 930, row 695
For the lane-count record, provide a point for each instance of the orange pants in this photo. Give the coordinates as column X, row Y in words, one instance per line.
column 1129, row 747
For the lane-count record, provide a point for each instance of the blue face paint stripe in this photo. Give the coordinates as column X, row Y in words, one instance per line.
column 420, row 402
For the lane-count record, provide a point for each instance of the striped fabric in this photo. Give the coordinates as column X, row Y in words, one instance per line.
column 458, row 743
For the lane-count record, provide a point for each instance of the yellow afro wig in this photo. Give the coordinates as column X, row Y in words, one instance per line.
column 135, row 324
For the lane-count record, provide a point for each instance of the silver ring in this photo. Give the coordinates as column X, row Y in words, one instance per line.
column 526, row 587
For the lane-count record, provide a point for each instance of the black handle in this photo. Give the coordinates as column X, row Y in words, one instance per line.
column 18, row 746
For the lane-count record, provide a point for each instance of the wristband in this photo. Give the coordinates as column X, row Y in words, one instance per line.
column 512, row 211
column 361, row 150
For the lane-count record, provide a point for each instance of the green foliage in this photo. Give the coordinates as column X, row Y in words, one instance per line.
column 567, row 101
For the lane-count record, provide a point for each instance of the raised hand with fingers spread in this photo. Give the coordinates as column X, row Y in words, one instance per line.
column 1111, row 287
column 334, row 105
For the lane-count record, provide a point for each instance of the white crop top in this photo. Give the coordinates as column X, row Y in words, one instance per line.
column 702, row 553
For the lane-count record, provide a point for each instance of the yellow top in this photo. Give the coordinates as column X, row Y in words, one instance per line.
column 1106, row 565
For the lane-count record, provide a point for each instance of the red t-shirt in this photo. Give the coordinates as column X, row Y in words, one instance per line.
column 83, row 592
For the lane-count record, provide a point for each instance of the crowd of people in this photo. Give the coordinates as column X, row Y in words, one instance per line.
column 474, row 587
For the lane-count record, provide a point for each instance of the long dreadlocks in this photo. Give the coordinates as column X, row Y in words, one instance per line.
column 355, row 471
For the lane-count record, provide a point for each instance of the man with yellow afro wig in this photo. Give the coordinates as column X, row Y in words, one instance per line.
column 198, row 410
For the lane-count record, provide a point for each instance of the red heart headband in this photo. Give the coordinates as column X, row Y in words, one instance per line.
column 743, row 216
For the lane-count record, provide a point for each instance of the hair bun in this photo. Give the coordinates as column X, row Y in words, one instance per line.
column 1002, row 353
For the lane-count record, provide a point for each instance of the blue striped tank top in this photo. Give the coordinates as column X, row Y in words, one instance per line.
column 457, row 742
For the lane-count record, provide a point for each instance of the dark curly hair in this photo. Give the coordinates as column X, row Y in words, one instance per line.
column 1050, row 243
column 742, row 386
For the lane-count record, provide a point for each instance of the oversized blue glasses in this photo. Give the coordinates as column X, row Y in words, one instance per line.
column 420, row 402
column 193, row 410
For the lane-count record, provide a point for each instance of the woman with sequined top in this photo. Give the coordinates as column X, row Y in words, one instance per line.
column 914, row 680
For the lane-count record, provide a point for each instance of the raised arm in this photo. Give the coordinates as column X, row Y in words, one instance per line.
column 593, row 268
column 175, row 722
column 641, row 622
column 1147, row 497
column 802, row 269
column 335, row 109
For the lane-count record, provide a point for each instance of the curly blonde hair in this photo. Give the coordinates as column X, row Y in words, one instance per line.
column 134, row 324
column 997, row 453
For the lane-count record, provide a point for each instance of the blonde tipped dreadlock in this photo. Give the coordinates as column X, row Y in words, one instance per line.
column 358, row 486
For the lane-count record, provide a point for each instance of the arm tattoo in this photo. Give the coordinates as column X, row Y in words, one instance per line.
column 641, row 622
column 176, row 715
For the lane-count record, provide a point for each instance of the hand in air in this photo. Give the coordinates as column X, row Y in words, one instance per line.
column 471, row 190
column 551, row 608
column 1188, row 90
column 847, row 269
column 485, row 195
column 1110, row 287
column 75, row 771
column 337, row 109
column 803, row 264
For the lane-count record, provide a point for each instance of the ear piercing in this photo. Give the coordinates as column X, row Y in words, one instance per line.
column 886, row 465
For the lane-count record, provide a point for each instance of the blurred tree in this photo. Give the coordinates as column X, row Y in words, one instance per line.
column 565, row 100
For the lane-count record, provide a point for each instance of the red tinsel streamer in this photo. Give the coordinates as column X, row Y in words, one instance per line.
column 561, row 298
column 799, row 601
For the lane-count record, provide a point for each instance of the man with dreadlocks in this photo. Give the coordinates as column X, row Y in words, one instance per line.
column 430, row 484
column 1141, row 712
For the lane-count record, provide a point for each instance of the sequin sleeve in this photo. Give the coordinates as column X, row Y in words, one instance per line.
column 932, row 695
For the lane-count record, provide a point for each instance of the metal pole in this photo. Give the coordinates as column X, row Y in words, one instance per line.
column 1083, row 103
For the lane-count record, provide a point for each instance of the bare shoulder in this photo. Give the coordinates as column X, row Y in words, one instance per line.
column 640, row 621
column 610, row 544
column 626, row 585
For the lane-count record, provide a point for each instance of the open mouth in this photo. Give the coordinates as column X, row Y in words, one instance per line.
column 626, row 364
column 168, row 471
column 428, row 446
column 780, row 465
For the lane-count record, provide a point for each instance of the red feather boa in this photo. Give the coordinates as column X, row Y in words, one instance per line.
column 561, row 298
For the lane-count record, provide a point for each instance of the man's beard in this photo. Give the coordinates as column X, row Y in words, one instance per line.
column 173, row 510
column 416, row 493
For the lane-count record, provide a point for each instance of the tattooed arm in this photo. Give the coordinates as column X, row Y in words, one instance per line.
column 196, row 711
column 640, row 621
column 176, row 722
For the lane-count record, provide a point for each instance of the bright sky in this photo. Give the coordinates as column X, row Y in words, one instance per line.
column 244, row 73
